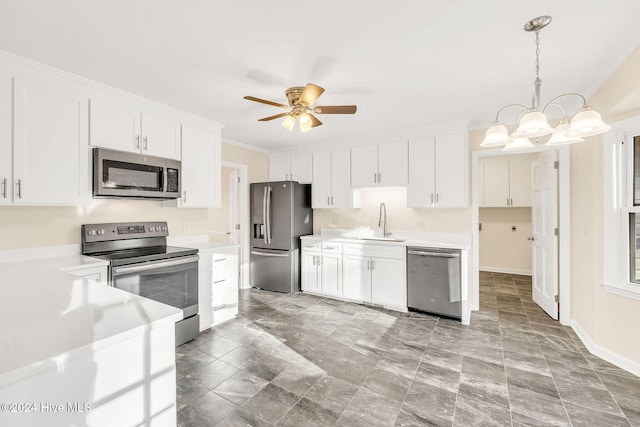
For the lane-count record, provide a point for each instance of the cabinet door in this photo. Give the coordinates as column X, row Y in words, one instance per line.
column 160, row 137
column 114, row 126
column 331, row 274
column 279, row 168
column 364, row 166
column 341, row 194
column 6, row 139
column 388, row 282
column 520, row 189
column 496, row 182
column 356, row 283
column 421, row 188
column 200, row 168
column 205, row 308
column 301, row 168
column 321, row 188
column 310, row 272
column 451, row 171
column 51, row 155
column 393, row 164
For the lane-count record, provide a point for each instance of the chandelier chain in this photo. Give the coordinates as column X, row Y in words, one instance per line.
column 537, row 54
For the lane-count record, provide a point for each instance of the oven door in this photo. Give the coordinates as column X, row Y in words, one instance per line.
column 172, row 281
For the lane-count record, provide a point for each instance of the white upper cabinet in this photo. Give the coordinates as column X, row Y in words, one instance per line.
column 201, row 169
column 121, row 126
column 331, row 179
column 506, row 181
column 291, row 167
column 6, row 142
column 379, row 165
column 50, row 147
column 438, row 172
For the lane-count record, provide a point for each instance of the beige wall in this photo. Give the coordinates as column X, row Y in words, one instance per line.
column 399, row 217
column 501, row 249
column 30, row 226
column 610, row 320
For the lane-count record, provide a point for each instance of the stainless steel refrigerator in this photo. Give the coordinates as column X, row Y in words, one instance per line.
column 280, row 213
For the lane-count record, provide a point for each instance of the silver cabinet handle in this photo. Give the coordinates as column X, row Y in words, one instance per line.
column 373, row 264
column 328, row 200
column 145, row 147
column 330, row 248
column 184, row 196
column 507, row 201
column 219, row 281
column 375, row 177
column 19, row 185
column 314, row 260
column 219, row 260
column 437, row 198
column 379, row 177
column 138, row 142
column 511, row 201
column 431, row 198
column 368, row 264
column 4, row 188
column 331, row 200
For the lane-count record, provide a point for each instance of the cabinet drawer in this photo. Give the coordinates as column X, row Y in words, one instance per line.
column 330, row 247
column 382, row 251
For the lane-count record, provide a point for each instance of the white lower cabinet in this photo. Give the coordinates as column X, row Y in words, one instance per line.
column 97, row 274
column 358, row 272
column 357, row 277
column 322, row 268
column 217, row 286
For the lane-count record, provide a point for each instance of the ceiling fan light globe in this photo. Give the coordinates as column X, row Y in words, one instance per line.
column 559, row 136
column 289, row 122
column 305, row 122
column 518, row 144
column 587, row 122
column 496, row 136
column 533, row 124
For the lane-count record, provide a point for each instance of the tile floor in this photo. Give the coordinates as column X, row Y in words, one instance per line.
column 299, row 360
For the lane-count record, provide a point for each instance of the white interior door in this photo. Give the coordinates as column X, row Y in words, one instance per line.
column 545, row 242
column 234, row 208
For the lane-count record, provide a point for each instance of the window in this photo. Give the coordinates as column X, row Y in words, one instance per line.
column 622, row 208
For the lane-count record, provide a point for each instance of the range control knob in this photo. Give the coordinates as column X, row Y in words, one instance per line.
column 164, row 228
column 101, row 232
column 91, row 232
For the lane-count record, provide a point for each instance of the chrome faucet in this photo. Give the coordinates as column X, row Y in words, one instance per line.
column 385, row 233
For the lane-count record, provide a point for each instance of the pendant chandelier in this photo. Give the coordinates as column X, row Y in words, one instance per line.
column 532, row 121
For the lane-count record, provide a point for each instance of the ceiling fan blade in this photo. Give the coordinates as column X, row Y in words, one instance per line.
column 266, row 119
column 335, row 109
column 264, row 101
column 314, row 122
column 310, row 94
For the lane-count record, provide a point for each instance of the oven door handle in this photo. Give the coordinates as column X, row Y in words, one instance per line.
column 119, row 271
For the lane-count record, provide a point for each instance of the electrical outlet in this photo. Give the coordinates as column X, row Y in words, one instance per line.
column 513, row 228
column 185, row 226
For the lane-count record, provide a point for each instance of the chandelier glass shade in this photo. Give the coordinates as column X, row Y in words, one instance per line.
column 533, row 122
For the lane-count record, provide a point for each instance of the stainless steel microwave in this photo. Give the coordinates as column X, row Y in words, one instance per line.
column 130, row 175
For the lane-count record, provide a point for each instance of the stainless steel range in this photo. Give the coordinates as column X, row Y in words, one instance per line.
column 140, row 262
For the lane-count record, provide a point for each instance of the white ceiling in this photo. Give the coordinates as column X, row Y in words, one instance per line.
column 406, row 64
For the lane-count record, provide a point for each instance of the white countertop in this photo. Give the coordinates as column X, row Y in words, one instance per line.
column 409, row 238
column 48, row 314
column 199, row 242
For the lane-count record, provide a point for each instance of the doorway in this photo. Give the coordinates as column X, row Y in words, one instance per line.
column 235, row 210
column 563, row 205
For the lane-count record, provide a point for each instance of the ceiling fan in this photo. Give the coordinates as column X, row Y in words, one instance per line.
column 301, row 100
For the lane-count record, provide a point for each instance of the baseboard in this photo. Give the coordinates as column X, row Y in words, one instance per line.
column 603, row 353
column 506, row 271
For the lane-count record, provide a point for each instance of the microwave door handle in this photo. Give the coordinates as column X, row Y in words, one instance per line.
column 164, row 179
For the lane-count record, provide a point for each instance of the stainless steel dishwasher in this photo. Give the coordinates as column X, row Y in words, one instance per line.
column 433, row 281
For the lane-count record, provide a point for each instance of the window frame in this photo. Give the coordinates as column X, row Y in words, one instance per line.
column 618, row 181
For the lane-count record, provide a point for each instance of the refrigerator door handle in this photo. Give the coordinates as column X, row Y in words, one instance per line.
column 268, row 217
column 270, row 254
column 264, row 214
